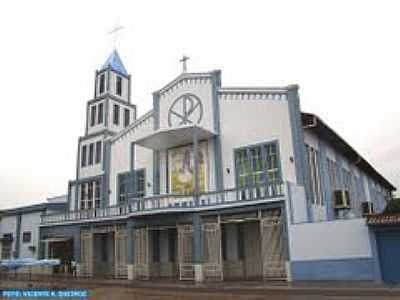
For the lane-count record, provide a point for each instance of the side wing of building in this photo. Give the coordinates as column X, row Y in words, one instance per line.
column 334, row 167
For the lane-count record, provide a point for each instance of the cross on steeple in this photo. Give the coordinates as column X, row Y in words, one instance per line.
column 183, row 61
column 114, row 32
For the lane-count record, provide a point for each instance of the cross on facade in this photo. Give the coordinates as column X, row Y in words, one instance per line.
column 183, row 61
column 114, row 32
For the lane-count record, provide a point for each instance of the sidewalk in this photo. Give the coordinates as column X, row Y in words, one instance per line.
column 239, row 287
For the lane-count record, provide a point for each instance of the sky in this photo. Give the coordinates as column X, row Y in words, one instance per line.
column 343, row 54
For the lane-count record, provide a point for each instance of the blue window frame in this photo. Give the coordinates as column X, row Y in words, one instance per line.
column 131, row 185
column 257, row 165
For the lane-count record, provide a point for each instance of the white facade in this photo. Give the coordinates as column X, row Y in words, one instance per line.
column 344, row 239
column 245, row 116
column 9, row 226
column 209, row 152
column 228, row 119
column 358, row 182
column 30, row 224
column 249, row 107
column 23, row 224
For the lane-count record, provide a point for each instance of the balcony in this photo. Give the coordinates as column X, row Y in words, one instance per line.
column 173, row 203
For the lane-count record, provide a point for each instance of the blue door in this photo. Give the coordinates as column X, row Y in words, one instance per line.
column 389, row 255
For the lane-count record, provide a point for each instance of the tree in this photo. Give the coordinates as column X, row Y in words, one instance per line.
column 393, row 206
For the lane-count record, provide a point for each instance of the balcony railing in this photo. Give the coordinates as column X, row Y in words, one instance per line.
column 171, row 202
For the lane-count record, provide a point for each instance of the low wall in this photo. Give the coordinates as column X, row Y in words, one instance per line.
column 41, row 270
column 336, row 250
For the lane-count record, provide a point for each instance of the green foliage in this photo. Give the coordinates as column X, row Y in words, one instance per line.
column 393, row 206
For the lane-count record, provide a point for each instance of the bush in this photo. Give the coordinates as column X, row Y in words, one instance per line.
column 393, row 206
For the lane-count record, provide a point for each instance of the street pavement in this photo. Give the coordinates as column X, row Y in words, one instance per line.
column 164, row 290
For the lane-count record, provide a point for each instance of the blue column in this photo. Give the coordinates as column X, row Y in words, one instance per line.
column 130, row 242
column 77, row 244
column 303, row 176
column 156, row 107
column 196, row 164
column 219, row 174
column 156, row 172
column 297, row 134
column 40, row 250
column 106, row 176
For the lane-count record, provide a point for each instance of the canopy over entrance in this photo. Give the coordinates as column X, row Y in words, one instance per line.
column 56, row 239
column 173, row 137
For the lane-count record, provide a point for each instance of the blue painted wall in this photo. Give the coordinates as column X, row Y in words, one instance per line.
column 338, row 269
column 387, row 240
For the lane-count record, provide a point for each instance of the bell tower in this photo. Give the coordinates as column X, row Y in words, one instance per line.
column 113, row 79
column 111, row 107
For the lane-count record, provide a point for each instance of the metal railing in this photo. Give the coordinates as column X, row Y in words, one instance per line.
column 171, row 202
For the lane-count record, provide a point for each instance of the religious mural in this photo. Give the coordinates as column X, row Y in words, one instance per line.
column 181, row 169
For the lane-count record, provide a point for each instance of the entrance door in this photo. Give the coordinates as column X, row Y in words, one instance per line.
column 142, row 255
column 86, row 254
column 120, row 236
column 389, row 249
column 272, row 245
column 185, row 252
column 212, row 251
column 252, row 254
column 62, row 250
column 163, row 258
column 104, row 254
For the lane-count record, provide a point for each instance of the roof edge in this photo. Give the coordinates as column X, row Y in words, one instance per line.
column 133, row 125
column 320, row 126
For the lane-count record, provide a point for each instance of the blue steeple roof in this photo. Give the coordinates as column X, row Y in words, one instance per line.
column 115, row 63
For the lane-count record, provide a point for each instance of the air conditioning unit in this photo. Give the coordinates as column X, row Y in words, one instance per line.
column 367, row 208
column 341, row 199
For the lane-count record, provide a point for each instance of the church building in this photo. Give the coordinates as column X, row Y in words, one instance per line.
column 215, row 183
